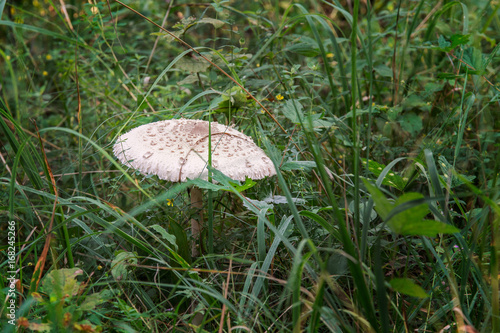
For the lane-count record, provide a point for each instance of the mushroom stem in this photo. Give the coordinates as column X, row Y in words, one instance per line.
column 197, row 204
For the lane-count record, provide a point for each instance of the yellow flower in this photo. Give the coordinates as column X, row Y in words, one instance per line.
column 48, row 57
column 170, row 202
column 45, row 73
column 99, row 267
column 329, row 55
column 7, row 57
column 258, row 65
column 279, row 97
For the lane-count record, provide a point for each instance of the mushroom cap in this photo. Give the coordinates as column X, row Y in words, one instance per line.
column 177, row 149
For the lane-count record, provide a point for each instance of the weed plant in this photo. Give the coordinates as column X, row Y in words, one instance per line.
column 381, row 118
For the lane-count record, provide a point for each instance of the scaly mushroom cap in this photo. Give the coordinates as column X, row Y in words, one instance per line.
column 177, row 149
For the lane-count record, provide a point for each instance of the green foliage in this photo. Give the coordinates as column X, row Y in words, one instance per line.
column 121, row 263
column 401, row 96
column 65, row 304
column 406, row 215
column 408, row 287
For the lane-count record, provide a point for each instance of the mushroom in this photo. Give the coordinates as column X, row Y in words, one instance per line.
column 177, row 149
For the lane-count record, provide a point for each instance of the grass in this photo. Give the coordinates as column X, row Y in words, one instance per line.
column 380, row 119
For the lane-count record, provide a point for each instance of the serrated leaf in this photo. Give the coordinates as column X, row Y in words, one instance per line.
column 191, row 78
column 164, row 234
column 192, row 65
column 90, row 302
column 443, row 43
column 121, row 263
column 232, row 99
column 249, row 183
column 177, row 34
column 261, row 205
column 411, row 123
column 453, row 41
column 216, row 23
column 475, row 59
column 293, row 110
column 408, row 287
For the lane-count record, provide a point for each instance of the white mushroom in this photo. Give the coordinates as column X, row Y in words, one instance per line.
column 177, row 149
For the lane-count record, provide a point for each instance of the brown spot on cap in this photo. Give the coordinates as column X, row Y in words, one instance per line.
column 237, row 155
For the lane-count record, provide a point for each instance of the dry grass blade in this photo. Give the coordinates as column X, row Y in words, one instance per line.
column 37, row 275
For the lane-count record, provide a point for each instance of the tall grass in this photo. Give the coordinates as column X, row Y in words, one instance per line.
column 380, row 119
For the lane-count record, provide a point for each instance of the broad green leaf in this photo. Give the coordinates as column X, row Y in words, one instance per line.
column 119, row 266
column 91, row 301
column 382, row 205
column 193, row 65
column 216, row 23
column 414, row 212
column 293, row 110
column 249, row 183
column 383, row 70
column 408, row 287
column 392, row 179
column 305, row 49
column 447, row 44
column 168, row 37
column 191, row 78
column 409, row 220
column 411, row 123
column 416, row 101
column 232, row 99
column 428, row 228
column 62, row 282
